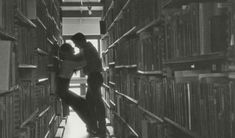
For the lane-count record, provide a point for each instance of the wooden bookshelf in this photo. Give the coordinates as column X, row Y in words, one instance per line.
column 111, row 63
column 149, row 25
column 132, row 100
column 48, row 40
column 27, row 66
column 104, row 36
column 42, row 113
column 106, row 103
column 42, row 80
column 128, row 125
column 150, row 114
column 112, row 103
column 106, row 86
column 40, row 23
column 200, row 58
column 51, row 120
column 22, row 19
column 30, row 118
column 12, row 90
column 179, row 127
column 106, row 51
column 179, row 3
column 119, row 15
column 128, row 33
column 112, row 83
column 126, row 66
column 41, row 52
column 6, row 36
column 47, row 134
column 109, row 9
column 149, row 72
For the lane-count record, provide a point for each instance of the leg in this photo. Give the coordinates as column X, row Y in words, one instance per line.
column 94, row 100
column 78, row 103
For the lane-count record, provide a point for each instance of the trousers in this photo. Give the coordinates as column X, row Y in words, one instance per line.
column 90, row 109
column 78, row 103
column 95, row 102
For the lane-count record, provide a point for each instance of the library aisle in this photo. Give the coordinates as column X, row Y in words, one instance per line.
column 75, row 127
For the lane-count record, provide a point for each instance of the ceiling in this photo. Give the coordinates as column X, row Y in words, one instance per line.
column 81, row 16
column 82, row 8
column 81, row 0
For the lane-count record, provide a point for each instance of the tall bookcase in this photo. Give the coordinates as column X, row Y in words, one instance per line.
column 169, row 68
column 29, row 31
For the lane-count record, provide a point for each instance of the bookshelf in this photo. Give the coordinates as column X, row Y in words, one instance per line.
column 30, row 30
column 169, row 68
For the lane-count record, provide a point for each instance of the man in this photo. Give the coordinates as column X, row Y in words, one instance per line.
column 93, row 70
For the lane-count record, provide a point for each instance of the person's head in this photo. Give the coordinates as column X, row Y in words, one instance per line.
column 65, row 50
column 79, row 39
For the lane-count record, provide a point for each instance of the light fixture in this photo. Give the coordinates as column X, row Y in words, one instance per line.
column 89, row 10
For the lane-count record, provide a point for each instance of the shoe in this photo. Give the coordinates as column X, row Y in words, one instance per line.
column 91, row 132
column 101, row 135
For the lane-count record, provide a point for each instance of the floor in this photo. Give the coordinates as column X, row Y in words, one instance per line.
column 75, row 127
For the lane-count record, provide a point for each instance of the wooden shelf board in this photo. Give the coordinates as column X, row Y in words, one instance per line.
column 24, row 20
column 6, row 36
column 181, row 128
column 106, row 86
column 106, row 103
column 106, row 68
column 54, row 38
column 48, row 40
column 199, row 58
column 231, row 75
column 27, row 66
column 112, row 83
column 119, row 15
column 106, row 51
column 112, row 103
column 126, row 66
column 128, row 33
column 44, row 111
column 130, row 99
column 150, row 114
column 31, row 117
column 62, row 124
column 151, row 24
column 150, row 72
column 104, row 36
column 111, row 63
column 39, row 22
column 41, row 52
column 47, row 134
column 109, row 9
column 179, row 3
column 42, row 80
column 51, row 120
column 128, row 125
column 11, row 90
column 173, row 3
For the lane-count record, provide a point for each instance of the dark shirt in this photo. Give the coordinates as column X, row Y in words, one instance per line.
column 92, row 58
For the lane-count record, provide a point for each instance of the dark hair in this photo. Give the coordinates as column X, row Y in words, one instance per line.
column 78, row 37
column 64, row 48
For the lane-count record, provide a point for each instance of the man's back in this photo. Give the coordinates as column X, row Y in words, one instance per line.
column 92, row 58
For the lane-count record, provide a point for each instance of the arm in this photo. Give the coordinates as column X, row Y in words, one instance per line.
column 77, row 58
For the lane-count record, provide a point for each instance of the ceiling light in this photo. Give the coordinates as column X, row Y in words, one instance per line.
column 89, row 10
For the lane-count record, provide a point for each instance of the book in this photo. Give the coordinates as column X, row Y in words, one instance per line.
column 5, row 65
